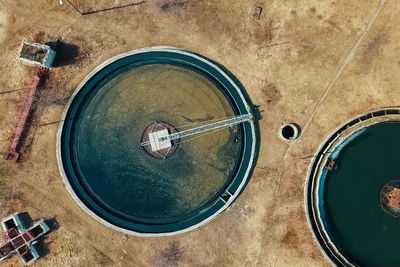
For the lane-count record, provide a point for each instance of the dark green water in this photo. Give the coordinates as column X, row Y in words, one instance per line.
column 360, row 228
column 123, row 175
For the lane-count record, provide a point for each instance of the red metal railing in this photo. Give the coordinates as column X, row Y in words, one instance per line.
column 19, row 133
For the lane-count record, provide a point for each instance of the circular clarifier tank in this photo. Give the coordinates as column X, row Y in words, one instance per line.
column 345, row 193
column 139, row 189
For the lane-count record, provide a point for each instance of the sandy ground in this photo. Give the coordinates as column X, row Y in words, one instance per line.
column 313, row 63
column 3, row 26
column 98, row 5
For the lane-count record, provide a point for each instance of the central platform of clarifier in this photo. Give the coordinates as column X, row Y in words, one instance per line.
column 134, row 189
column 152, row 144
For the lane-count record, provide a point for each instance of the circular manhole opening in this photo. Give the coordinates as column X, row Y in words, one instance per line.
column 289, row 132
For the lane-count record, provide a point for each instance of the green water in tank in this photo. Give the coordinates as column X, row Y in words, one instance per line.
column 359, row 227
column 118, row 170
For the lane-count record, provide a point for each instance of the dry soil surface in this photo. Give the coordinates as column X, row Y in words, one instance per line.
column 316, row 63
column 3, row 25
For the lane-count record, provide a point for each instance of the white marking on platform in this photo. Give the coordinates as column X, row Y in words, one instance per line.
column 155, row 140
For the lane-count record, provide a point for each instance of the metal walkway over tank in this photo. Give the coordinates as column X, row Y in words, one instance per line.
column 165, row 139
column 208, row 127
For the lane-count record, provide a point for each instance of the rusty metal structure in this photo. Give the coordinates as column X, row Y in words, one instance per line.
column 27, row 109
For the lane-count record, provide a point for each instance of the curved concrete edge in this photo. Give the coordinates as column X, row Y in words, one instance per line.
column 90, row 75
column 314, row 220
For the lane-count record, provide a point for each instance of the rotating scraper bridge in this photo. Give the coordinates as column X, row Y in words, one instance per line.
column 164, row 140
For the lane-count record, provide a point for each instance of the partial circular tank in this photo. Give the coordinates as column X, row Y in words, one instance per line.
column 352, row 194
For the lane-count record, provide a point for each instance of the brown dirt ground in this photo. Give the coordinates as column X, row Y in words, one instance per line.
column 3, row 25
column 96, row 5
column 287, row 60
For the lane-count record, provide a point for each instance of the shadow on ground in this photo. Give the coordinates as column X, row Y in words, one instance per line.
column 66, row 54
column 42, row 246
